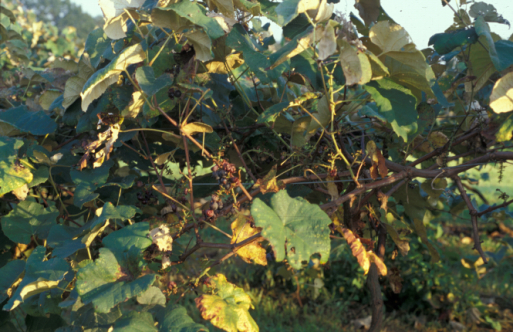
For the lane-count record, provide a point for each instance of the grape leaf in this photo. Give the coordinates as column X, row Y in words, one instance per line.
column 12, row 174
column 50, row 271
column 228, row 308
column 294, row 224
column 175, row 318
column 111, row 279
column 35, row 123
column 253, row 252
column 29, row 219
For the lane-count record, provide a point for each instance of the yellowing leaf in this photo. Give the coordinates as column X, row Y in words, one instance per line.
column 103, row 78
column 332, row 187
column 202, row 45
column 365, row 258
column 379, row 166
column 218, row 67
column 253, row 252
column 389, row 36
column 196, row 127
column 21, row 192
column 356, row 67
column 402, row 245
column 269, row 184
column 34, row 288
column 228, row 308
column 501, row 99
column 225, row 7
column 116, row 27
column 325, row 35
column 47, row 98
column 136, row 106
column 161, row 236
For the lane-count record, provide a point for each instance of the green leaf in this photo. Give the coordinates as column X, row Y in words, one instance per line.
column 420, row 229
column 195, row 13
column 36, row 269
column 396, row 104
column 98, row 46
column 152, row 296
column 228, row 308
column 295, row 228
column 10, row 273
column 288, row 10
column 299, row 129
column 270, row 114
column 109, row 211
column 410, row 69
column 133, row 235
column 255, row 8
column 240, row 40
column 175, row 318
column 8, row 13
column 296, row 46
column 487, row 11
column 445, row 42
column 29, row 219
column 135, row 321
column 87, row 181
column 506, row 129
column 36, row 123
column 12, row 175
column 149, row 84
column 103, row 78
column 64, row 240
column 296, row 26
column 369, row 10
column 109, row 280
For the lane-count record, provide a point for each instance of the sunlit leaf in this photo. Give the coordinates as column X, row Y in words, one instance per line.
column 228, row 308
column 103, row 78
column 253, row 252
column 295, row 228
column 501, row 99
column 365, row 258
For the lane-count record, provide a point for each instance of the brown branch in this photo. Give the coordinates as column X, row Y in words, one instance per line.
column 492, row 208
column 243, row 199
column 174, row 123
column 363, row 188
column 152, row 163
column 374, row 287
column 442, row 149
column 473, row 216
column 67, row 142
column 238, row 153
column 232, row 247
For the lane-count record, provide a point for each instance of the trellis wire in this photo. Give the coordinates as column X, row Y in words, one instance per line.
column 296, row 183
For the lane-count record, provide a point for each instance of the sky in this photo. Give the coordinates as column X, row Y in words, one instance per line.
column 421, row 19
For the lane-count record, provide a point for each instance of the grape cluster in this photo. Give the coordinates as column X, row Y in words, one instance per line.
column 216, row 205
column 223, row 174
column 172, row 93
column 147, row 197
